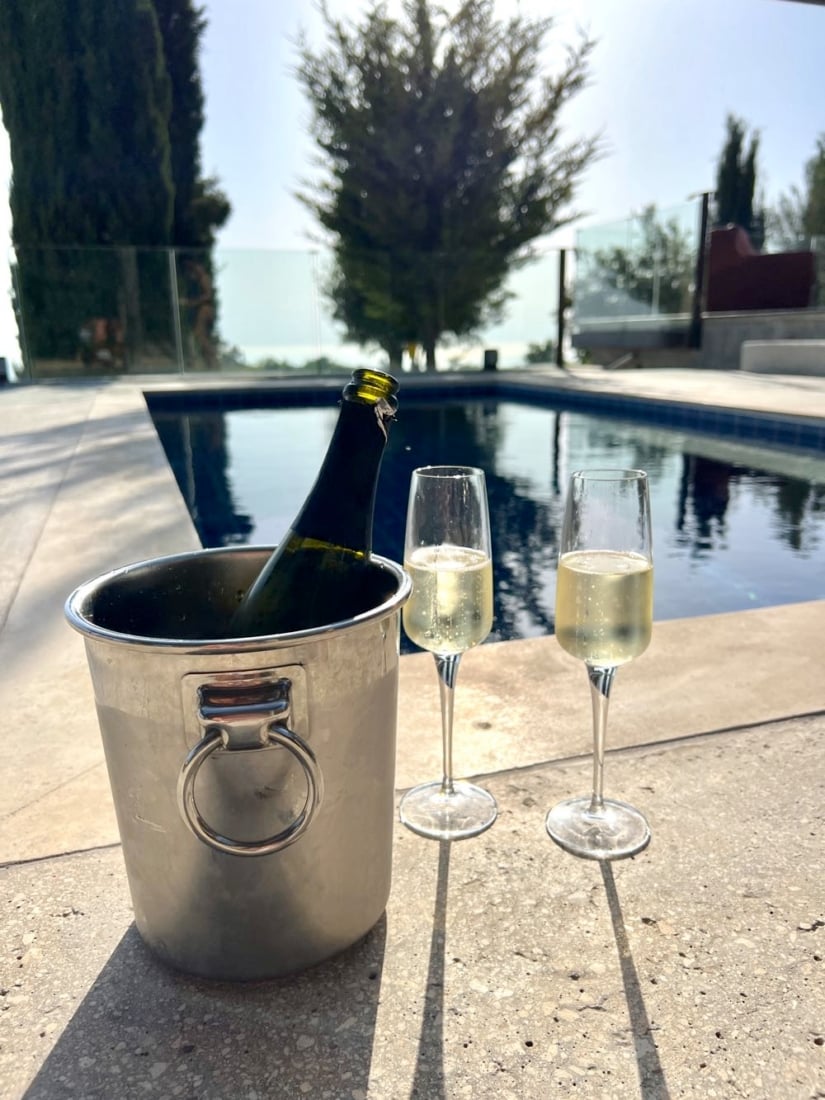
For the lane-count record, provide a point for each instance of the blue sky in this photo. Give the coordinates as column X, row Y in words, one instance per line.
column 665, row 73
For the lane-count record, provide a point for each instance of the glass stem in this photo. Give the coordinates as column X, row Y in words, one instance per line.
column 601, row 681
column 447, row 667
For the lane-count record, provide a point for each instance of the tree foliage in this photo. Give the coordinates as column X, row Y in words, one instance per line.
column 799, row 214
column 444, row 159
column 736, row 181
column 103, row 107
column 651, row 274
column 200, row 207
column 785, row 221
column 86, row 100
column 541, row 353
column 813, row 223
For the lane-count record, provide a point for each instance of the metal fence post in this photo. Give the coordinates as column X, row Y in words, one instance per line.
column 562, row 305
column 175, row 302
column 695, row 330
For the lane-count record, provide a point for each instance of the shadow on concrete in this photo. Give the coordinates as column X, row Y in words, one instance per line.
column 428, row 1079
column 652, row 1082
column 143, row 1029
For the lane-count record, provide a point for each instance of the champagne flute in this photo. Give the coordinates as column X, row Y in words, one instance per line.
column 448, row 555
column 604, row 614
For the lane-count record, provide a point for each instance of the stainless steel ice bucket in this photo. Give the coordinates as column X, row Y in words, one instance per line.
column 253, row 779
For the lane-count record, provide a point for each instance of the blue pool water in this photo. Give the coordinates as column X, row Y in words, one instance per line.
column 734, row 526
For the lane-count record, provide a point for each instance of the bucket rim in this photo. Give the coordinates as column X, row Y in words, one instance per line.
column 93, row 631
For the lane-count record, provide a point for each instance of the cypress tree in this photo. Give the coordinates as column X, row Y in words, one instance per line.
column 736, row 182
column 444, row 162
column 98, row 144
column 200, row 207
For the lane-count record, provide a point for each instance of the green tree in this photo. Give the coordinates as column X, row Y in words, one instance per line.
column 785, row 222
column 88, row 99
column 541, row 353
column 655, row 273
column 200, row 207
column 797, row 221
column 736, row 181
column 799, row 214
column 814, row 217
column 444, row 161
column 88, row 123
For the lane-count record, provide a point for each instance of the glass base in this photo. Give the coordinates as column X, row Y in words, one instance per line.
column 464, row 811
column 614, row 832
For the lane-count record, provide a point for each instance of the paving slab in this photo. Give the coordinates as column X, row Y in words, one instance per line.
column 503, row 967
column 788, row 394
column 524, row 702
column 37, row 441
column 106, row 495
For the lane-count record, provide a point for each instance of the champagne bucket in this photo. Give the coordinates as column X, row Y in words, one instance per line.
column 253, row 779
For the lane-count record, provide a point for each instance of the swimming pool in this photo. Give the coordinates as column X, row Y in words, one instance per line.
column 735, row 526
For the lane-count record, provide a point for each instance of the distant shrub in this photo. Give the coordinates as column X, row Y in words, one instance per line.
column 541, row 353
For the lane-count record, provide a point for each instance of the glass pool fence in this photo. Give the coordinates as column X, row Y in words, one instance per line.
column 122, row 310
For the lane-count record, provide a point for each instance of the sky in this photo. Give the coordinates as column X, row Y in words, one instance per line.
column 664, row 76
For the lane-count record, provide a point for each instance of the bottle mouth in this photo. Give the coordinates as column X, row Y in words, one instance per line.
column 371, row 386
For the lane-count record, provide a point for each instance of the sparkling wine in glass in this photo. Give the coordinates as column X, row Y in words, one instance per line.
column 604, row 616
column 447, row 553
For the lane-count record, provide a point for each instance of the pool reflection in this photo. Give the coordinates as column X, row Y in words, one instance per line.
column 728, row 534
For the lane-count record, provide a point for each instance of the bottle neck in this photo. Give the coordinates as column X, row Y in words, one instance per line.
column 339, row 509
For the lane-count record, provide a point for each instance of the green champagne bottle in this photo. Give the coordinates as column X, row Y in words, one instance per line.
column 318, row 573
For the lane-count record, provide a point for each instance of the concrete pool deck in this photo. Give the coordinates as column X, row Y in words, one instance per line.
column 503, row 967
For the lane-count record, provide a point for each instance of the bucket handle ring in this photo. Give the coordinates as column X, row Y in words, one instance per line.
column 216, row 739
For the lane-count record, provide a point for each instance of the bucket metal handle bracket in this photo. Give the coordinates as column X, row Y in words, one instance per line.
column 250, row 727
